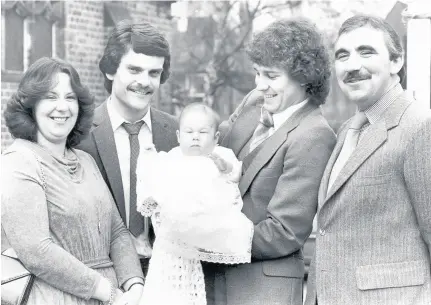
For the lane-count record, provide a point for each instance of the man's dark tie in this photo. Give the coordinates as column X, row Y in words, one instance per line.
column 262, row 130
column 137, row 223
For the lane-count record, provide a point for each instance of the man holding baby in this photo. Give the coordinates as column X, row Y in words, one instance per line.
column 284, row 143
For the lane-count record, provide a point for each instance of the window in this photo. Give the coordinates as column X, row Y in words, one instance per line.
column 197, row 84
column 115, row 12
column 13, row 37
column 29, row 31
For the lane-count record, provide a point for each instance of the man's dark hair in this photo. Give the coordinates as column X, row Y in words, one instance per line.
column 141, row 38
column 296, row 47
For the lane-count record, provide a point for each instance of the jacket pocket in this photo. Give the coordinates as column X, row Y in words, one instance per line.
column 270, row 172
column 391, row 275
column 285, row 267
column 373, row 180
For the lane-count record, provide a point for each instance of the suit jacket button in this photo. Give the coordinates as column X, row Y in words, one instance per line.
column 322, row 232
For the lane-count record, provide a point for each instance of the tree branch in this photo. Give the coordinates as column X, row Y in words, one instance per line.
column 199, row 60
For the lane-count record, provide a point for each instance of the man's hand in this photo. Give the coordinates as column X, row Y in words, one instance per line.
column 118, row 296
column 131, row 297
column 143, row 247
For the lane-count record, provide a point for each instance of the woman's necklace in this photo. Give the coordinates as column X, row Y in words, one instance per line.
column 98, row 214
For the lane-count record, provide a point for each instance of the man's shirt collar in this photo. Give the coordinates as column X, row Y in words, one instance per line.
column 281, row 117
column 374, row 112
column 117, row 120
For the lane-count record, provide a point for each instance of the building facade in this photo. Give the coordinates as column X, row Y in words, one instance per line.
column 76, row 31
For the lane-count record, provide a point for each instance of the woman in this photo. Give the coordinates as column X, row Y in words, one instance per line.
column 284, row 142
column 57, row 212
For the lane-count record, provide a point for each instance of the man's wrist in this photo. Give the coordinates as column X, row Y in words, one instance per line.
column 137, row 284
column 129, row 283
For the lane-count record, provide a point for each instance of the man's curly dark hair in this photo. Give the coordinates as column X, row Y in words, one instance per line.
column 297, row 47
column 141, row 38
column 36, row 82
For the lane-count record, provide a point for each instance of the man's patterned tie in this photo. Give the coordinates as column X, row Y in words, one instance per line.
column 137, row 223
column 350, row 143
column 262, row 131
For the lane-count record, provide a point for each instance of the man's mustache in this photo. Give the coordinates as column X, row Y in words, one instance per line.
column 354, row 76
column 138, row 87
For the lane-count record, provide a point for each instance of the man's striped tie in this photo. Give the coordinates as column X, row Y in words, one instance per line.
column 262, row 131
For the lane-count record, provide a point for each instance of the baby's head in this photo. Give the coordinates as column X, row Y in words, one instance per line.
column 198, row 134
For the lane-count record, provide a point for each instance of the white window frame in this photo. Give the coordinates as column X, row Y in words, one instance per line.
column 3, row 39
column 54, row 28
column 26, row 44
column 191, row 89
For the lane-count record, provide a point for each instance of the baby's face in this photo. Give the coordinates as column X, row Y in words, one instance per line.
column 197, row 135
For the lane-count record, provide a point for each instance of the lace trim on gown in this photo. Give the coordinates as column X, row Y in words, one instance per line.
column 184, row 250
column 150, row 208
column 171, row 278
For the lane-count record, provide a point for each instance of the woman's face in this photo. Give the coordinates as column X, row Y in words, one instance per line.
column 56, row 113
column 279, row 90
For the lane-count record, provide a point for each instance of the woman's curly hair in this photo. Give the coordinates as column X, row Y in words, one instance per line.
column 297, row 47
column 37, row 81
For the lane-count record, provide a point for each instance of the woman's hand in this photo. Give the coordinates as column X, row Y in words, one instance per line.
column 103, row 292
column 118, row 296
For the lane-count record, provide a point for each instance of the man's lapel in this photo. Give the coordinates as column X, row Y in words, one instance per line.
column 373, row 138
column 323, row 190
column 243, row 129
column 271, row 145
column 162, row 135
column 105, row 143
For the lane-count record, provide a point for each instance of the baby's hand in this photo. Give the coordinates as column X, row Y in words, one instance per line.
column 222, row 165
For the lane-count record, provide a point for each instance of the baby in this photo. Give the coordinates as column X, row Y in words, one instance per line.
column 192, row 195
column 198, row 136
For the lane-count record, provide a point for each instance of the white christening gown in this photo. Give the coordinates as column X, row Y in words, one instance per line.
column 196, row 213
column 171, row 278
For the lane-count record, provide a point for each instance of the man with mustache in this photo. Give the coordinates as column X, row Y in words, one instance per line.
column 373, row 240
column 135, row 62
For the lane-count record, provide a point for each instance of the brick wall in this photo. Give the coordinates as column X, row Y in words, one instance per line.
column 7, row 89
column 82, row 41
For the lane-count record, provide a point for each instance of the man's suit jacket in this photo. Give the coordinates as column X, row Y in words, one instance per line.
column 100, row 144
column 279, row 188
column 375, row 223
